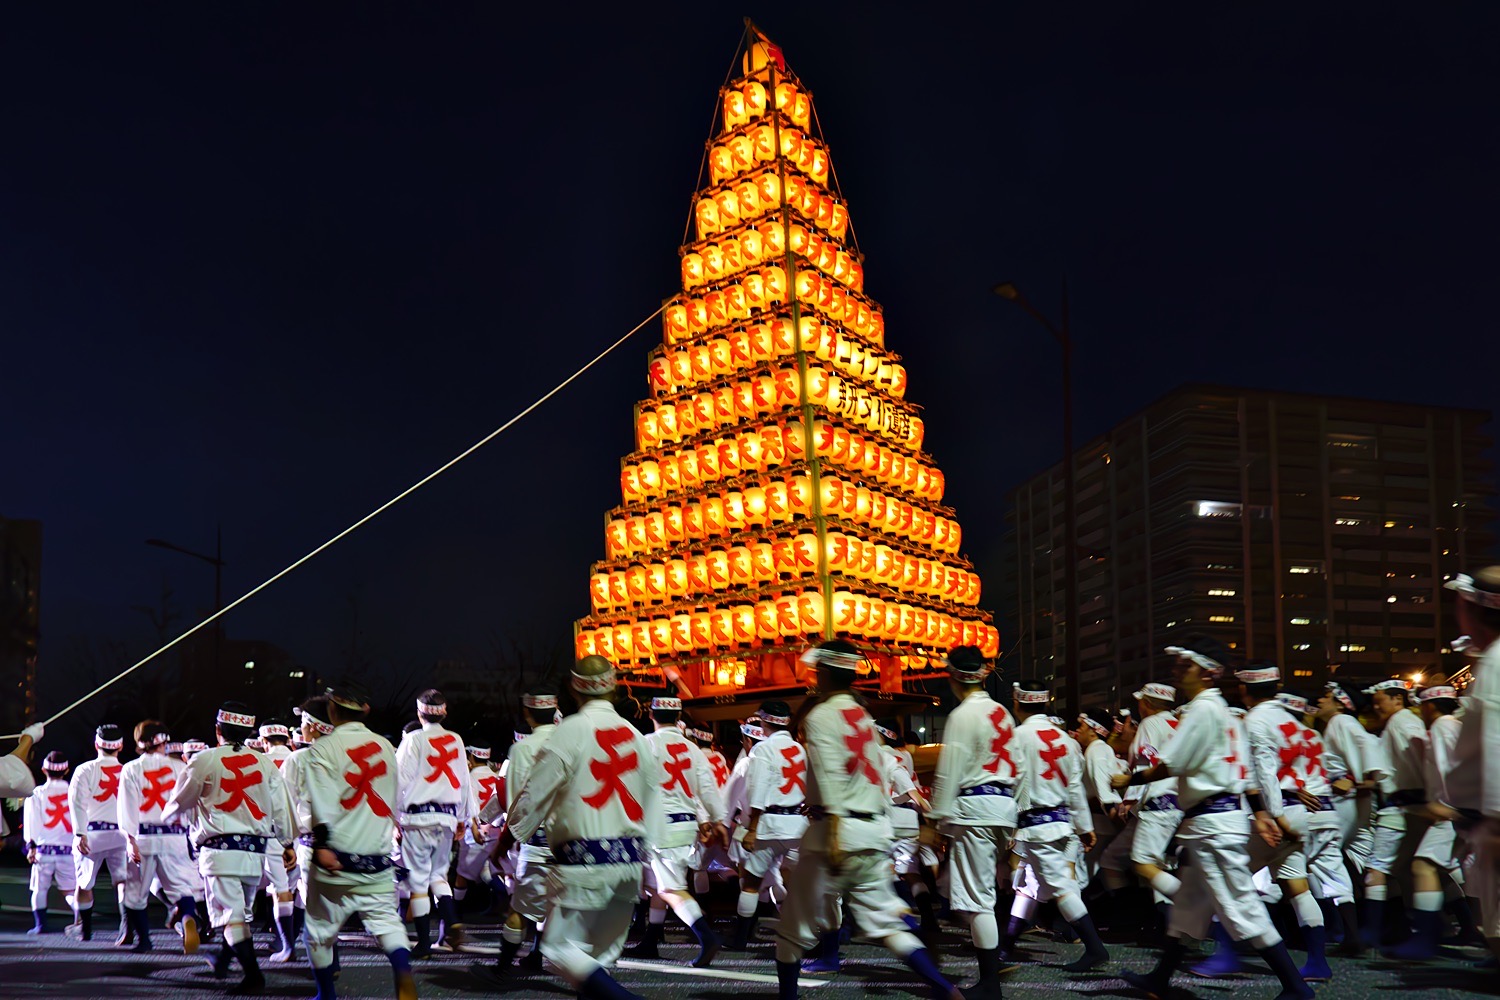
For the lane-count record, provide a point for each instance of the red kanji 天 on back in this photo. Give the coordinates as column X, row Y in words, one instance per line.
column 236, row 781
column 361, row 784
column 609, row 771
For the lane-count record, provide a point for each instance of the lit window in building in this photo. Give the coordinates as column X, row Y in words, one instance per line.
column 1391, row 599
column 1301, row 673
column 1216, row 508
column 1348, row 522
column 1301, row 646
column 1221, row 592
column 1221, row 566
column 1352, row 647
column 1390, row 524
column 1221, row 618
column 1301, row 621
column 1305, row 570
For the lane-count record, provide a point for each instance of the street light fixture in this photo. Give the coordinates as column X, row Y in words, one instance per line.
column 1008, row 291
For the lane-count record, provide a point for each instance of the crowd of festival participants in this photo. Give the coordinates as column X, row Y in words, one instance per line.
column 1370, row 817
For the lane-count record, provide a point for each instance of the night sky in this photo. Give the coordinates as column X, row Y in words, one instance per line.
column 267, row 267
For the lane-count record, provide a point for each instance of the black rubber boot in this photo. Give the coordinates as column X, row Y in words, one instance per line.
column 744, row 933
column 709, row 943
column 1158, row 982
column 451, row 930
column 253, row 982
column 647, row 946
column 1094, row 952
column 508, row 951
column 1293, row 987
column 423, row 925
column 142, row 930
column 987, row 986
column 38, row 922
column 86, row 923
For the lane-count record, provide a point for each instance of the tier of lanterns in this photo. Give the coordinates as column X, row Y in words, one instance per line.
column 778, row 493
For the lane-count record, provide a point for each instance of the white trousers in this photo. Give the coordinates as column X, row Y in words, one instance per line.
column 425, row 853
column 533, row 872
column 472, row 859
column 334, row 897
column 865, row 880
column 228, row 900
column 50, row 870
column 1216, row 882
column 1047, row 868
column 587, row 925
column 106, row 847
column 166, row 861
column 770, row 854
column 974, row 867
column 1326, row 871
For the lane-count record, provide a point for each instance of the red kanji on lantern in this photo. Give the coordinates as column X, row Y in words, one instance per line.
column 861, row 735
column 57, row 812
column 609, row 771
column 362, row 783
column 109, row 783
column 442, row 762
column 679, row 760
column 1000, row 745
column 236, row 781
column 1056, row 751
column 795, row 769
column 158, row 783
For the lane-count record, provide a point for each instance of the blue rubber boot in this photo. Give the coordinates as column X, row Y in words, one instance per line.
column 828, row 960
column 1423, row 944
column 324, row 978
column 38, row 922
column 786, row 980
column 1317, row 969
column 1225, row 961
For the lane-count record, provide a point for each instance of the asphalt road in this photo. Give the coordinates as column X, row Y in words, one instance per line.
column 56, row 966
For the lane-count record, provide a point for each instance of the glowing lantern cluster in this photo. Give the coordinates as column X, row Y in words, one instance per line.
column 778, row 493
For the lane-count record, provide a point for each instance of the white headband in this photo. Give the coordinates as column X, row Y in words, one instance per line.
column 425, row 709
column 1204, row 663
column 1258, row 675
column 235, row 719
column 968, row 676
column 1395, row 683
column 1030, row 697
column 1339, row 695
column 318, row 725
column 173, row 748
column 1093, row 725
column 701, row 735
column 1156, row 690
column 274, row 729
column 1464, row 584
column 109, row 744
column 1293, row 702
column 1438, row 691
column 48, row 765
column 194, row 746
column 598, row 684
column 752, row 731
column 831, row 658
column 666, row 704
column 479, row 753
column 539, row 701
column 779, row 720
column 887, row 733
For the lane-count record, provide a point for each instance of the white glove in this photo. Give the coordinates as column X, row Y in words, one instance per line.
column 35, row 731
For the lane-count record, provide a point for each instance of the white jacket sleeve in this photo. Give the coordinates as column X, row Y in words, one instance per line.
column 708, row 788
column 15, row 778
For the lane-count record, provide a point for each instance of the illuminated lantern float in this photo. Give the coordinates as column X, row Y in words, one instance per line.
column 779, row 493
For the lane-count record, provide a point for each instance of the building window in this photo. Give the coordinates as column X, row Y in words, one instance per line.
column 1302, row 646
column 1301, row 673
column 1306, row 569
column 1352, row 445
column 1301, row 621
column 1220, row 592
column 1226, row 566
column 1217, row 508
column 1345, row 521
column 1221, row 618
column 1352, row 647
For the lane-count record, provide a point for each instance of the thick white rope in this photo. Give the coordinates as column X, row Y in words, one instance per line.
column 356, row 525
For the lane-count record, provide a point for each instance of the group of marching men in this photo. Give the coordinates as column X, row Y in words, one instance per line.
column 1214, row 810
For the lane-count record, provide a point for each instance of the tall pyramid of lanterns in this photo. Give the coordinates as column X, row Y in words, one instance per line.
column 778, row 494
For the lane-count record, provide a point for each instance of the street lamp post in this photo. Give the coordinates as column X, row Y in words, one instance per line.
column 217, row 562
column 1007, row 290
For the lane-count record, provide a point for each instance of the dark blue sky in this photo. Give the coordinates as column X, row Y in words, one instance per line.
column 268, row 267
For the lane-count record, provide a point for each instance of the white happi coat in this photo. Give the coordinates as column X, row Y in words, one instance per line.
column 977, row 750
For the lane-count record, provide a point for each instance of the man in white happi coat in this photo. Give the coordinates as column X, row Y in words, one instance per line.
column 1287, row 783
column 711, row 855
column 1051, row 806
column 1216, row 875
column 1100, row 764
column 157, row 850
column 1427, row 843
column 279, row 882
column 974, row 806
column 915, row 862
column 1347, row 749
column 528, row 903
column 314, row 725
column 597, row 788
column 1399, row 787
column 688, row 789
column 350, row 779
column 846, row 849
column 93, row 798
column 775, row 792
column 47, row 832
column 1151, row 810
column 235, row 805
column 478, row 837
column 1472, row 778
column 435, row 799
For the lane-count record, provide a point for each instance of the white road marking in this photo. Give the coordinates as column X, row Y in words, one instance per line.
column 688, row 970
